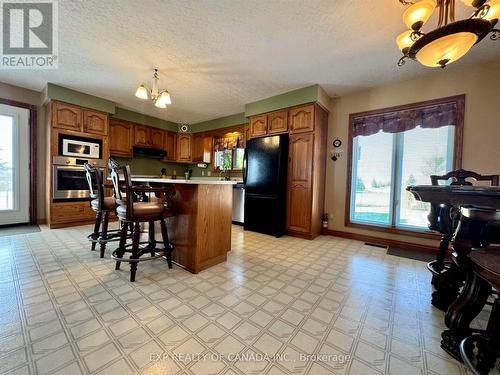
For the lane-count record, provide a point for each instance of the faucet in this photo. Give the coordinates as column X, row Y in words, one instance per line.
column 224, row 174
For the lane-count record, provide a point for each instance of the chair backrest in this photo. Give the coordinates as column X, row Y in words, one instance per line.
column 115, row 169
column 460, row 176
column 115, row 179
column 96, row 187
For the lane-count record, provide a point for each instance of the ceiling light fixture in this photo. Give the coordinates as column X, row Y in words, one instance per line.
column 160, row 98
column 451, row 39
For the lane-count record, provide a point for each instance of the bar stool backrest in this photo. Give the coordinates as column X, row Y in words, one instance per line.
column 115, row 170
column 96, row 187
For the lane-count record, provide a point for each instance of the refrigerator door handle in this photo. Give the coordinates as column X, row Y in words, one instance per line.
column 245, row 167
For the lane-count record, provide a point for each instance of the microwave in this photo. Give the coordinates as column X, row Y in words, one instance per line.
column 78, row 147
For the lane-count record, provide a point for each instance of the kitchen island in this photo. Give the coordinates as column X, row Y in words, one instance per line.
column 201, row 228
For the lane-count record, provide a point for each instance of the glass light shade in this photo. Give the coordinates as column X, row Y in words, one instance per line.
column 159, row 104
column 405, row 41
column 142, row 92
column 419, row 13
column 447, row 49
column 165, row 98
column 494, row 11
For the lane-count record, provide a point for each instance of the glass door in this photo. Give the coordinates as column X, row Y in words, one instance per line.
column 14, row 165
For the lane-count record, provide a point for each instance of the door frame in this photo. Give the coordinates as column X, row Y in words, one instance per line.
column 32, row 123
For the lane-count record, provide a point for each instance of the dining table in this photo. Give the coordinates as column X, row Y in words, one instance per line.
column 452, row 208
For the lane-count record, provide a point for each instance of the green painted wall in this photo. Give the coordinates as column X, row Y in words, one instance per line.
column 152, row 167
column 221, row 122
column 55, row 92
column 304, row 95
column 125, row 114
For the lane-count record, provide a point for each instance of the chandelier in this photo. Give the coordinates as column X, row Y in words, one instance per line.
column 451, row 39
column 160, row 98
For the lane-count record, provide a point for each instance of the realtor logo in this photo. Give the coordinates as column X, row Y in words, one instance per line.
column 29, row 34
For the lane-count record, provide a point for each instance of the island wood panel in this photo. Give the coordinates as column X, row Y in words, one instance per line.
column 201, row 228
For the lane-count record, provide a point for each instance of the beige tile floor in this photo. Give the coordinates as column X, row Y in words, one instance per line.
column 278, row 306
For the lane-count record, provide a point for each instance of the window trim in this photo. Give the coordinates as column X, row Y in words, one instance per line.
column 459, row 100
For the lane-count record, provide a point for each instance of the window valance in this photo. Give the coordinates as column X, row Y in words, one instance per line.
column 430, row 116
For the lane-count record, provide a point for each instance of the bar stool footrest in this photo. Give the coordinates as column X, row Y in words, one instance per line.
column 160, row 252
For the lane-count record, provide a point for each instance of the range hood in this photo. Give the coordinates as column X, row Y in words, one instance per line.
column 151, row 153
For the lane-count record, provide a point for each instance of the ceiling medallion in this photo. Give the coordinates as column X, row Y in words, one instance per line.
column 451, row 39
column 160, row 98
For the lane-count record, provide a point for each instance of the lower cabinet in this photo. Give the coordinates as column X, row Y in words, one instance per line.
column 74, row 213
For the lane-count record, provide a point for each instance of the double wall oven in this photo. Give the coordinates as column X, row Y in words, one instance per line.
column 69, row 179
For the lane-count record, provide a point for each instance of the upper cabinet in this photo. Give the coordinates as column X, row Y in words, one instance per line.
column 66, row 116
column 258, row 126
column 293, row 120
column 120, row 137
column 95, row 122
column 202, row 148
column 156, row 138
column 277, row 122
column 141, row 135
column 184, row 147
column 301, row 119
column 170, row 146
column 79, row 119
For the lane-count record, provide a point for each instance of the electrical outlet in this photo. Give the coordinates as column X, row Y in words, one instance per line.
column 209, row 173
column 203, row 173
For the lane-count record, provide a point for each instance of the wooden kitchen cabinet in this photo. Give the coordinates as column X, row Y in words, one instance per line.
column 95, row 122
column 258, row 126
column 156, row 138
column 141, row 135
column 120, row 138
column 306, row 170
column 277, row 122
column 299, row 182
column 202, row 149
column 301, row 119
column 66, row 116
column 184, row 147
column 170, row 146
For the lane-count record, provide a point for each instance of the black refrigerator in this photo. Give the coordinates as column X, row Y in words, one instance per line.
column 265, row 179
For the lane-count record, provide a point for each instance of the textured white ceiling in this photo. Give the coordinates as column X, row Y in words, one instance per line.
column 216, row 55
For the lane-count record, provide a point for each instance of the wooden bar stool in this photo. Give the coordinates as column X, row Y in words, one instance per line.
column 132, row 214
column 102, row 206
column 480, row 352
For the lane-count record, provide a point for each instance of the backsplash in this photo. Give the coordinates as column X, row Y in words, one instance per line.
column 146, row 166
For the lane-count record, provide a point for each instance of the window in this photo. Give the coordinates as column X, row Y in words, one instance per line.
column 394, row 148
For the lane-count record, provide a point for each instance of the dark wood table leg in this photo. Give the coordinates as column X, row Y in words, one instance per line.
column 475, row 292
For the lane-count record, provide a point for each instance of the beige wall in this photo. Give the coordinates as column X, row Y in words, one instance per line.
column 35, row 98
column 481, row 148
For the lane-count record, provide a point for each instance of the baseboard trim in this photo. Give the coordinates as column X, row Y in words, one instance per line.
column 382, row 241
